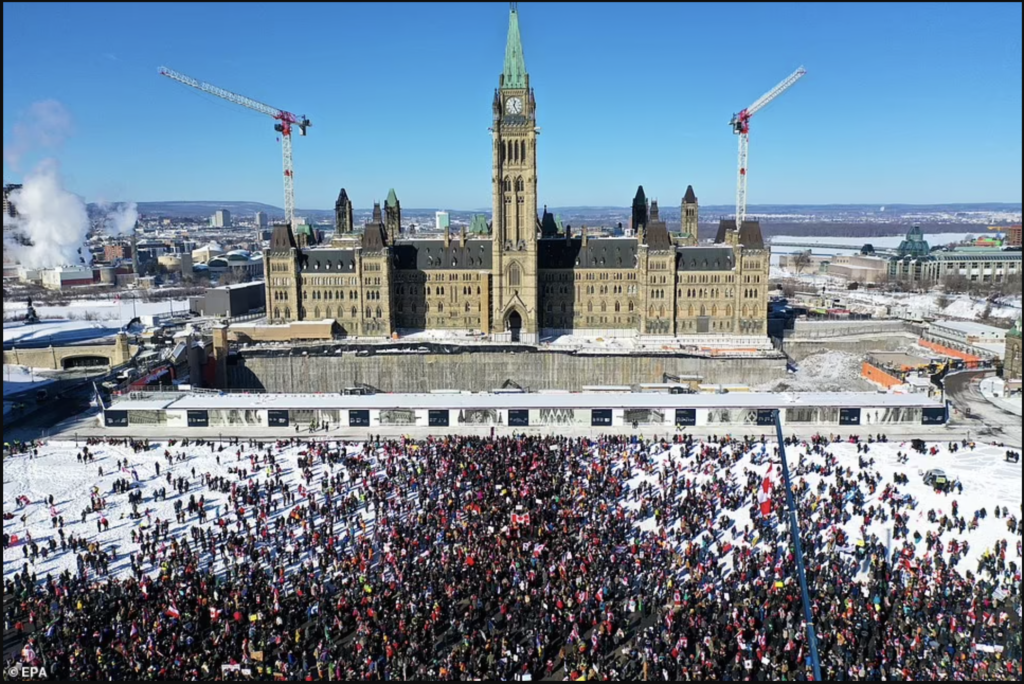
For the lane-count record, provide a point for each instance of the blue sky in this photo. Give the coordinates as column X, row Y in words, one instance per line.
column 916, row 103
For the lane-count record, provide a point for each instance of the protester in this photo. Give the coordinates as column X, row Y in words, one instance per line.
column 517, row 559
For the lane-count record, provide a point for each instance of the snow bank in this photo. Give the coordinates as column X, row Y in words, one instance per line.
column 832, row 371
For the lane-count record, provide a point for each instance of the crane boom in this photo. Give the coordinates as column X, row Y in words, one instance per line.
column 284, row 126
column 741, row 126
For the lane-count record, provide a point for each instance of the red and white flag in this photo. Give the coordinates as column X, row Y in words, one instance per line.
column 521, row 519
column 172, row 612
column 764, row 497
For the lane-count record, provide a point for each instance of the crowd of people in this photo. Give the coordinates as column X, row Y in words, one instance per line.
column 526, row 558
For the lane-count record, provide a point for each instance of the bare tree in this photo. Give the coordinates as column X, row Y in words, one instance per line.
column 802, row 261
column 955, row 284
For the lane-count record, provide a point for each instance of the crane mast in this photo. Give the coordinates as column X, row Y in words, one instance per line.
column 285, row 122
column 741, row 126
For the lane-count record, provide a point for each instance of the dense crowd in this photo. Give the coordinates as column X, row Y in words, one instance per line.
column 515, row 559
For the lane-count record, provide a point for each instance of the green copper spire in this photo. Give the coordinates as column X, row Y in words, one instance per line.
column 514, row 75
column 392, row 200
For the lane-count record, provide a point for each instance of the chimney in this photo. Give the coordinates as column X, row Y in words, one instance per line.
column 462, row 238
column 585, row 237
column 447, row 237
column 135, row 249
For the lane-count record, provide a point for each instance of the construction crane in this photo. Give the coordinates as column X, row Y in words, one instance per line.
column 285, row 121
column 741, row 126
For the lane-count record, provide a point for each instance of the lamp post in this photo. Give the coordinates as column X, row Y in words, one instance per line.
column 794, row 530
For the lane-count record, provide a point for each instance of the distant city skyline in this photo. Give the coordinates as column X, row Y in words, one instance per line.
column 902, row 104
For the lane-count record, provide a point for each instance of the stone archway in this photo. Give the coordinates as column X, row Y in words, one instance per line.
column 514, row 324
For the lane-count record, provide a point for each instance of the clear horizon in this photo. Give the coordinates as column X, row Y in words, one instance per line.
column 400, row 97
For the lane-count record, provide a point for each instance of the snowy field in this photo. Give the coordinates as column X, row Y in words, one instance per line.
column 907, row 304
column 833, row 371
column 988, row 481
column 57, row 332
column 116, row 313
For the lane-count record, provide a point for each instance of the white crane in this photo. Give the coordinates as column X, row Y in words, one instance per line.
column 285, row 121
column 741, row 126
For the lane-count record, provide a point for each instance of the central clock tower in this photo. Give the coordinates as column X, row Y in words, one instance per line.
column 514, row 179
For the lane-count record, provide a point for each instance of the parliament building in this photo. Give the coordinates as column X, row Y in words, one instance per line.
column 522, row 276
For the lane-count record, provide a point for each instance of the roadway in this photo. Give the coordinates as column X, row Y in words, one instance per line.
column 976, row 414
column 68, row 397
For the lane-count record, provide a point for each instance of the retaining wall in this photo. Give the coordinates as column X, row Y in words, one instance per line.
column 484, row 371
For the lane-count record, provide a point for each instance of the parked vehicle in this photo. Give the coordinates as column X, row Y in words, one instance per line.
column 936, row 479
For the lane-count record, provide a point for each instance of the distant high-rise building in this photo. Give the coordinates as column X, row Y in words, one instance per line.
column 221, row 219
column 115, row 252
column 261, row 219
column 1013, row 236
column 442, row 221
column 9, row 209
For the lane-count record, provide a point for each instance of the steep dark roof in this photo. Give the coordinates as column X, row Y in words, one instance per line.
column 329, row 261
column 600, row 253
column 640, row 216
column 375, row 237
column 548, row 225
column 750, row 234
column 282, row 239
column 658, row 237
column 375, row 233
column 705, row 259
column 432, row 255
column 690, row 197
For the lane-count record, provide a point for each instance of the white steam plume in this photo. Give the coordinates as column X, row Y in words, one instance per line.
column 45, row 125
column 119, row 217
column 52, row 223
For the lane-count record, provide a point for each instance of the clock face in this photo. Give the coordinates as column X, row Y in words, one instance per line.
column 514, row 105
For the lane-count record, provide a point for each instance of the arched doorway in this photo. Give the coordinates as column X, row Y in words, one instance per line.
column 515, row 325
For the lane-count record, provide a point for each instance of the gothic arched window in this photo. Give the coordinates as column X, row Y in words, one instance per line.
column 515, row 275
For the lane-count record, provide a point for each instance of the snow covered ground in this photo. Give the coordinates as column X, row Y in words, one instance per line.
column 18, row 379
column 832, row 371
column 118, row 313
column 856, row 243
column 57, row 332
column 907, row 304
column 987, row 479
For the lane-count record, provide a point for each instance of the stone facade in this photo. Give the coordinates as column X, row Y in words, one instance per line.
column 525, row 276
column 1012, row 370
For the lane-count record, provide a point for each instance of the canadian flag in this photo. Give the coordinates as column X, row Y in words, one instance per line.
column 764, row 497
column 215, row 614
column 521, row 519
